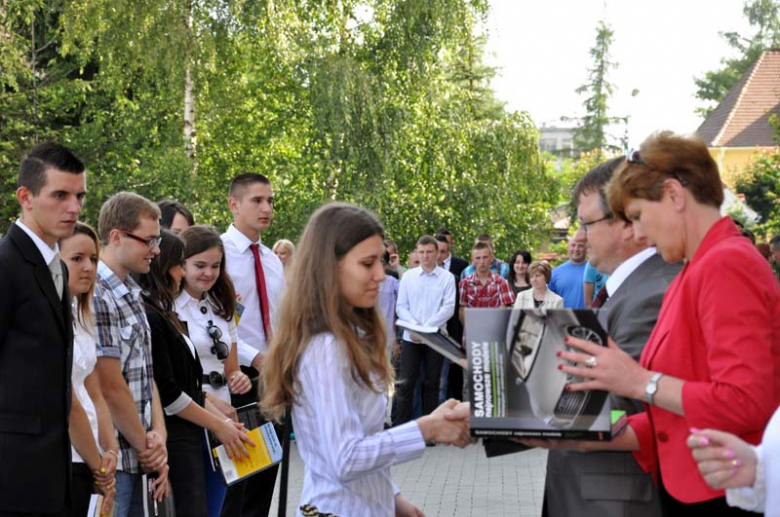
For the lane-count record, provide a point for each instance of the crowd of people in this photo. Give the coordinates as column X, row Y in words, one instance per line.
column 122, row 344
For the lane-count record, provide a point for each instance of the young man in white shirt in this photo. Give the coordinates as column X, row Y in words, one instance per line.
column 36, row 335
column 253, row 268
column 426, row 297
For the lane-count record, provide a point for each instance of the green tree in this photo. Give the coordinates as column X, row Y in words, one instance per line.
column 591, row 132
column 715, row 84
column 760, row 184
column 385, row 103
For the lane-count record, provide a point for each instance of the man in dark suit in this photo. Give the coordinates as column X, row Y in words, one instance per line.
column 452, row 374
column 605, row 484
column 36, row 336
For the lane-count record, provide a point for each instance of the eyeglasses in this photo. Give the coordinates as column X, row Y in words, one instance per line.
column 220, row 349
column 152, row 243
column 584, row 224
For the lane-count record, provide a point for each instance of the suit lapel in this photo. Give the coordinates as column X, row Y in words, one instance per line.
column 42, row 274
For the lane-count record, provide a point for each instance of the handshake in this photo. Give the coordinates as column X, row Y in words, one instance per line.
column 448, row 424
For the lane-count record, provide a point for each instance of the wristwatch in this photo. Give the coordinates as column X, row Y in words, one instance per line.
column 652, row 387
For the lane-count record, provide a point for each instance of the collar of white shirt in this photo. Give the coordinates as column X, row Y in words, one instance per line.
column 241, row 241
column 435, row 271
column 625, row 269
column 47, row 252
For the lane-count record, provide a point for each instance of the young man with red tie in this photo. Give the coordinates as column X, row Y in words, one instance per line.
column 258, row 276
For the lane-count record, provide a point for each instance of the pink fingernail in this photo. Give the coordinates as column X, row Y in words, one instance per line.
column 704, row 441
column 729, row 453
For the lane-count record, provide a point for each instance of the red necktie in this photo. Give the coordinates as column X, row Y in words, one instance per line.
column 600, row 298
column 262, row 293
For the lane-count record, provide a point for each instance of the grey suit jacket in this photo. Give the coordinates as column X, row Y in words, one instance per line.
column 606, row 484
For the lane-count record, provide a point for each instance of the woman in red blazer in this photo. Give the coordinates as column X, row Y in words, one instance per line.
column 713, row 359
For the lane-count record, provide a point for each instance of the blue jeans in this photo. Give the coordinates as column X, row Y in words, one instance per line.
column 215, row 484
column 129, row 495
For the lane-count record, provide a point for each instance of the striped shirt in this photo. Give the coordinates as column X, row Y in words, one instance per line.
column 123, row 333
column 339, row 430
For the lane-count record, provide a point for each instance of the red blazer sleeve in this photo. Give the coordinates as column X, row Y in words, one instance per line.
column 738, row 315
column 645, row 457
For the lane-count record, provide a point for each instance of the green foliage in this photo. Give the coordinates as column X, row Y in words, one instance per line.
column 760, row 184
column 715, row 84
column 385, row 103
column 591, row 133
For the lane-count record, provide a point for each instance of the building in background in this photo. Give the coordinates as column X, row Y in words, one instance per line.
column 740, row 125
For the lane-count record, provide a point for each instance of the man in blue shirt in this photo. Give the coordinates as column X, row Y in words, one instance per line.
column 566, row 279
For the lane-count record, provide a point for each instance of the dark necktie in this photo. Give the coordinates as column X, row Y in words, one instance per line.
column 262, row 294
column 601, row 297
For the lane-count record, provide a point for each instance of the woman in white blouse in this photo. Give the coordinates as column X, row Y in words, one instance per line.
column 95, row 449
column 328, row 361
column 539, row 296
column 207, row 306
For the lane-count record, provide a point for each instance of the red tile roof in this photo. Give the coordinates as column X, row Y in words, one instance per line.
column 742, row 117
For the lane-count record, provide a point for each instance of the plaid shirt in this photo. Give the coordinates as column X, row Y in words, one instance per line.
column 496, row 293
column 498, row 266
column 123, row 333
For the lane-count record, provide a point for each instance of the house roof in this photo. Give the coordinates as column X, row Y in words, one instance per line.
column 742, row 117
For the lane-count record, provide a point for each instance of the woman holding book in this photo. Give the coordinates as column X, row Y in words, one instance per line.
column 207, row 305
column 94, row 446
column 178, row 375
column 713, row 359
column 328, row 361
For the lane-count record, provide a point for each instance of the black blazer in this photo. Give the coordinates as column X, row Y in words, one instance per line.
column 454, row 326
column 176, row 371
column 36, row 353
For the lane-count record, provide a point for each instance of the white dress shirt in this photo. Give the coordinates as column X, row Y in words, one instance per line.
column 625, row 269
column 84, row 361
column 427, row 299
column 339, row 430
column 48, row 253
column 240, row 265
column 196, row 314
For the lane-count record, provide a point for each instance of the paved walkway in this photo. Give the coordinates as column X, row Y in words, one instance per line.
column 447, row 482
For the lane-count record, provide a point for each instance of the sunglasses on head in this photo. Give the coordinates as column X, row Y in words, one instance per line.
column 633, row 156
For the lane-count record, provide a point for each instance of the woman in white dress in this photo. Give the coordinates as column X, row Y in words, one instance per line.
column 328, row 360
column 95, row 449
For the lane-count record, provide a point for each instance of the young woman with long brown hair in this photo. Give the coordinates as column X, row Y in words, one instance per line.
column 328, row 361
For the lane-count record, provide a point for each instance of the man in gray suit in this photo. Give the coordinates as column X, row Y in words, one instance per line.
column 599, row 484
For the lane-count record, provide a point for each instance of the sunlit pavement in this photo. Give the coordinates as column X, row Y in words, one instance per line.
column 452, row 482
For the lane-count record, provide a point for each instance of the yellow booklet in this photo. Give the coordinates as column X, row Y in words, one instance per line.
column 266, row 453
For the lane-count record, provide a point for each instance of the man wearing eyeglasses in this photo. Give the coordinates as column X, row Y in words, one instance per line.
column 566, row 280
column 129, row 231
column 607, row 484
